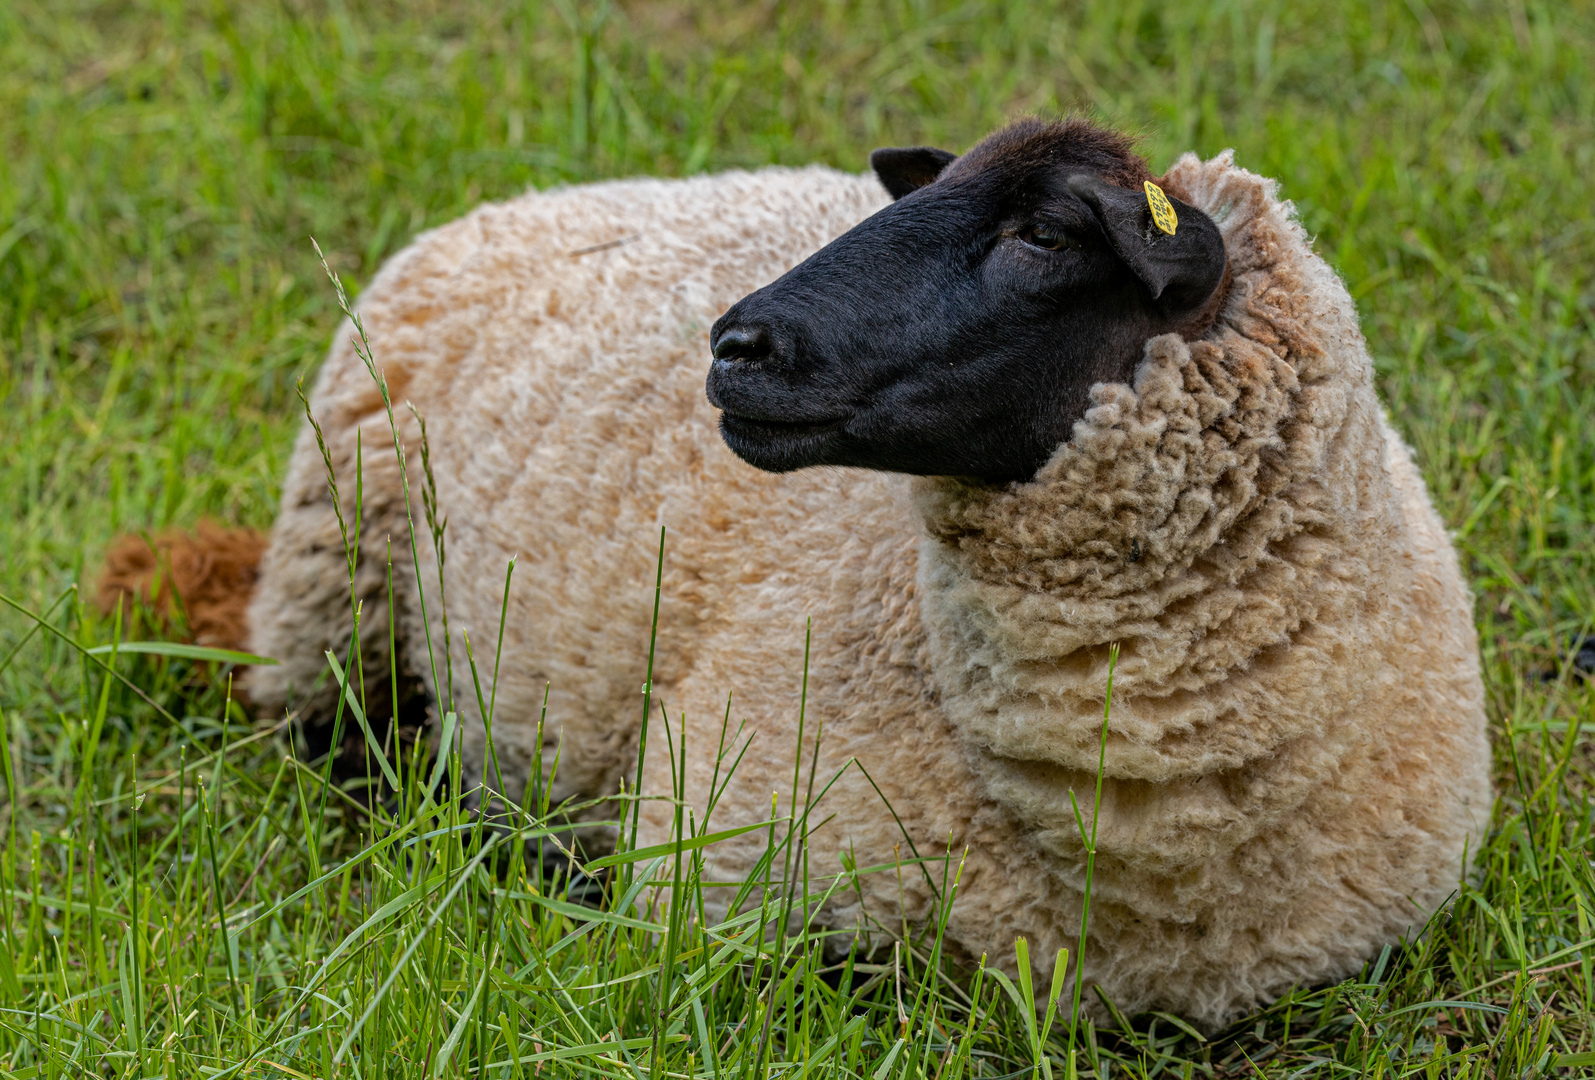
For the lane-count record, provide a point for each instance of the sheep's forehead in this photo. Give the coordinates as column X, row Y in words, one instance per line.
column 1027, row 147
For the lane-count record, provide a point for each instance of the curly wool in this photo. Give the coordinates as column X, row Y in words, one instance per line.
column 1296, row 761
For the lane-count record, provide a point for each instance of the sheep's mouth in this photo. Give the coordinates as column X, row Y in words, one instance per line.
column 779, row 445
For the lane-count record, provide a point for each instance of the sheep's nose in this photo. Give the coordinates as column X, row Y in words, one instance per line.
column 741, row 343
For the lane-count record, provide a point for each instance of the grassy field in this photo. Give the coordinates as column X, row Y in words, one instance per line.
column 183, row 898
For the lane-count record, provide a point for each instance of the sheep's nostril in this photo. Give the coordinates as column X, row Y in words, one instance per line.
column 742, row 343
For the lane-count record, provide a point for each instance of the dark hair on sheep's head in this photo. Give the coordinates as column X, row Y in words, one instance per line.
column 959, row 330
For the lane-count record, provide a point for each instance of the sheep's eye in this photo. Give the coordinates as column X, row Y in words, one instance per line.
column 1046, row 237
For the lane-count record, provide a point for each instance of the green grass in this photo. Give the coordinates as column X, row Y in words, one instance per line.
column 182, row 897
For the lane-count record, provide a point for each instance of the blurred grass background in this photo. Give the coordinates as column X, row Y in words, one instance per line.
column 163, row 164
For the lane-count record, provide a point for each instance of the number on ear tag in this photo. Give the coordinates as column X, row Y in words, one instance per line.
column 1163, row 215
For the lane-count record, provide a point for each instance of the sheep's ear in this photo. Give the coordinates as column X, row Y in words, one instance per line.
column 1180, row 268
column 907, row 168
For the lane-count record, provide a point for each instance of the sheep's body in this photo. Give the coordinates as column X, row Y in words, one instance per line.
column 1296, row 760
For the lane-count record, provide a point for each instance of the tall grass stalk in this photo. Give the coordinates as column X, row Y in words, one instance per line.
column 1089, row 842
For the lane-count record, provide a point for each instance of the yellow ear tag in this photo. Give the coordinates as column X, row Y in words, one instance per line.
column 1163, row 215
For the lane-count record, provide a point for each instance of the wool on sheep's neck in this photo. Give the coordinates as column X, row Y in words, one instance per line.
column 1228, row 521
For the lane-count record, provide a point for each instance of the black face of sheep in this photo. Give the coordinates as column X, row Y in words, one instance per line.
column 958, row 331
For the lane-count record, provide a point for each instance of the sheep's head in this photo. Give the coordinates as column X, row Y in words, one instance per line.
column 959, row 330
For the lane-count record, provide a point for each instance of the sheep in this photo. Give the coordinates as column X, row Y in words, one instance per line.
column 1046, row 426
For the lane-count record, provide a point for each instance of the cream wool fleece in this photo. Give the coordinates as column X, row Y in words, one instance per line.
column 1296, row 758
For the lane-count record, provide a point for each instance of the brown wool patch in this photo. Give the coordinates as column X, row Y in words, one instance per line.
column 202, row 579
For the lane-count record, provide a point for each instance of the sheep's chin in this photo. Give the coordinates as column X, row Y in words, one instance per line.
column 778, row 445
